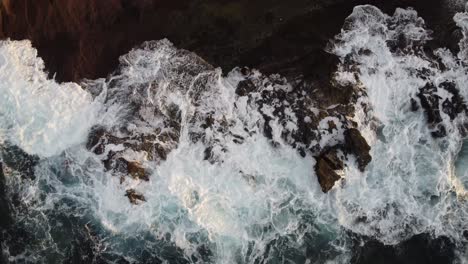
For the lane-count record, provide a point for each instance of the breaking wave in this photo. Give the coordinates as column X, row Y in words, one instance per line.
column 225, row 163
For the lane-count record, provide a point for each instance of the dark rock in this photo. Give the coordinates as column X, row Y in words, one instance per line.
column 455, row 105
column 430, row 102
column 332, row 158
column 439, row 131
column 118, row 164
column 136, row 170
column 83, row 39
column 331, row 126
column 135, row 197
column 326, row 167
column 5, row 217
column 245, row 87
column 414, row 105
column 356, row 144
column 99, row 137
column 95, row 139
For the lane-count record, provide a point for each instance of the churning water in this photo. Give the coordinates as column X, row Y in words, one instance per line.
column 254, row 202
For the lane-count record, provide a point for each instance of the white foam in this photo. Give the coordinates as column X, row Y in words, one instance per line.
column 252, row 194
column 38, row 114
column 408, row 187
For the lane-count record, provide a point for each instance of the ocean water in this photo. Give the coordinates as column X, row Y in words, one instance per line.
column 254, row 202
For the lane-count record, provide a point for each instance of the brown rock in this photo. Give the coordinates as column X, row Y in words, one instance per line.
column 331, row 156
column 84, row 38
column 135, row 197
column 327, row 164
column 331, row 126
column 357, row 145
column 326, row 175
column 136, row 170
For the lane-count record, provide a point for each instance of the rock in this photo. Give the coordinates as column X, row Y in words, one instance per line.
column 332, row 158
column 357, row 145
column 414, row 105
column 439, row 131
column 95, row 139
column 5, row 217
column 327, row 165
column 430, row 102
column 135, row 197
column 83, row 39
column 456, row 104
column 245, row 87
column 452, row 105
column 99, row 138
column 331, row 126
column 136, row 170
column 119, row 164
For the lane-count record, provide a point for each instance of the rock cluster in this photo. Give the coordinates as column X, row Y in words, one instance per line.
column 296, row 113
column 435, row 106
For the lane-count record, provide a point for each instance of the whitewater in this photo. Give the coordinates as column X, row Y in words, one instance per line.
column 252, row 198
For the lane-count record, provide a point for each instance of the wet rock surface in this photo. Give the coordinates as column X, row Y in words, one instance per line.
column 83, row 39
column 356, row 144
column 436, row 107
column 303, row 114
column 326, row 169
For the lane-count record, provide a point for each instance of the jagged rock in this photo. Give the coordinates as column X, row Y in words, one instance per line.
column 430, row 102
column 98, row 138
column 135, row 197
column 332, row 158
column 327, row 165
column 245, row 87
column 456, row 104
column 136, row 170
column 121, row 165
column 357, row 145
column 95, row 138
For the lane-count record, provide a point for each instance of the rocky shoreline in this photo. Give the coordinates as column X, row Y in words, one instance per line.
column 83, row 40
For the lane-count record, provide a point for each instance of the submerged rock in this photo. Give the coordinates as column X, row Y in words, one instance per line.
column 135, row 197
